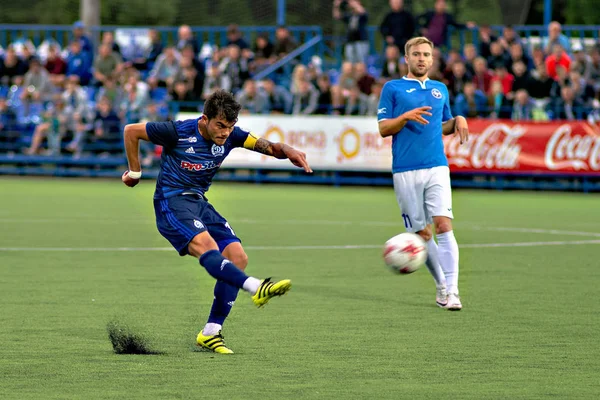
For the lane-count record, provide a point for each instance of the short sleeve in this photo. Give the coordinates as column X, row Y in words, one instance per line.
column 243, row 138
column 447, row 112
column 162, row 133
column 386, row 103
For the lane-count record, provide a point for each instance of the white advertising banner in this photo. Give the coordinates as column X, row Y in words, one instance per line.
column 330, row 143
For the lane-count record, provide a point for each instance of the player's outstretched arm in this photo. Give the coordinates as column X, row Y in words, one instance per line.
column 282, row 151
column 132, row 135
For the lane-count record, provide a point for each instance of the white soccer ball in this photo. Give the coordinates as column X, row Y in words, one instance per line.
column 405, row 253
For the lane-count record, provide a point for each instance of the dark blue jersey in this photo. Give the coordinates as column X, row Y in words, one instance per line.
column 189, row 162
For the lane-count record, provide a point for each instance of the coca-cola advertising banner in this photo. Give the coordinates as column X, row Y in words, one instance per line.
column 494, row 146
column 507, row 146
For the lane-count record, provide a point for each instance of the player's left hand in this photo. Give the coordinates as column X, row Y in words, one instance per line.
column 298, row 158
column 129, row 181
column 462, row 129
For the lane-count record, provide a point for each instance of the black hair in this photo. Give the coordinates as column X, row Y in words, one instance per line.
column 222, row 104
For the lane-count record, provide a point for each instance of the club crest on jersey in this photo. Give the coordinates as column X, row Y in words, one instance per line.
column 436, row 93
column 217, row 150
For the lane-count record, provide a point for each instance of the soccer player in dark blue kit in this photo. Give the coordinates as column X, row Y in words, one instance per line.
column 193, row 151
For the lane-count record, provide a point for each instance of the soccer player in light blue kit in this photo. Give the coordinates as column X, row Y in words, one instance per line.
column 415, row 111
column 193, row 151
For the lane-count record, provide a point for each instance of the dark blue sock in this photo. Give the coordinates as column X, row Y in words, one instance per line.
column 222, row 269
column 225, row 296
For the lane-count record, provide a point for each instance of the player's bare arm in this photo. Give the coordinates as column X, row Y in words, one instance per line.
column 389, row 127
column 282, row 151
column 132, row 135
column 457, row 125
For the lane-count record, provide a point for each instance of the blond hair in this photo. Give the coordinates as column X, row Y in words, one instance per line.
column 415, row 42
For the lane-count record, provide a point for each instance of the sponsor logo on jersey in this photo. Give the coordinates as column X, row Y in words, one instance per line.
column 217, row 150
column 412, row 90
column 381, row 110
column 198, row 224
column 436, row 93
column 199, row 166
column 191, row 139
column 190, row 150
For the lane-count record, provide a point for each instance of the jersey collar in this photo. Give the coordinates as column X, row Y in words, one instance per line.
column 416, row 80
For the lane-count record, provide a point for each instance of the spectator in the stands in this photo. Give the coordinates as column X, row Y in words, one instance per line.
column 86, row 47
column 305, row 99
column 12, row 68
column 51, row 127
column 234, row 36
column 457, row 79
column 582, row 62
column 537, row 56
column 504, row 77
column 8, row 122
column 434, row 24
column 107, row 64
column 280, row 100
column 152, row 52
column 486, row 38
column 252, row 100
column 107, row 127
column 471, row 103
column 111, row 91
column 215, row 79
column 509, row 38
column 569, row 107
column 36, row 84
column 470, row 54
column 284, row 42
column 325, row 100
column 392, row 65
column 79, row 63
column 522, row 107
column 192, row 70
column 364, row 80
column 345, row 93
column 558, row 58
column 108, row 39
column 356, row 18
column 56, row 66
column 523, row 79
column 498, row 56
column 373, row 99
column 541, row 85
column 236, row 67
column 166, row 69
column 186, row 38
column 500, row 106
column 150, row 114
column 482, row 77
column 135, row 98
column 183, row 94
column 398, row 26
column 263, row 52
column 555, row 36
column 584, row 92
column 517, row 55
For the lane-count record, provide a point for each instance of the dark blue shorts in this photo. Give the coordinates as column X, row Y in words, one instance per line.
column 180, row 218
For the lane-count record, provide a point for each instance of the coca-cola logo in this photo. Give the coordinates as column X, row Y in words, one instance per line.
column 567, row 150
column 496, row 147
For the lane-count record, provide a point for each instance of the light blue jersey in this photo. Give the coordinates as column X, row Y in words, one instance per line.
column 417, row 146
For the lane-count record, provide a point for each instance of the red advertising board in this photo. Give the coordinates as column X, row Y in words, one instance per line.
column 505, row 146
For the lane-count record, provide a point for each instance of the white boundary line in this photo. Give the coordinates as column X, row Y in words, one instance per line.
column 326, row 247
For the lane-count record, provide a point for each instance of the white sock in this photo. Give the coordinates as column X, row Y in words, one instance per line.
column 211, row 329
column 251, row 285
column 433, row 263
column 448, row 253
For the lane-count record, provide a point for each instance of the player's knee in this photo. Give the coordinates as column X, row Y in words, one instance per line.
column 201, row 243
column 426, row 234
column 443, row 225
column 240, row 260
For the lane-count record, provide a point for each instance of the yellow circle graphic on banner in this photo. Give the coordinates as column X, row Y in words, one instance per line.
column 347, row 148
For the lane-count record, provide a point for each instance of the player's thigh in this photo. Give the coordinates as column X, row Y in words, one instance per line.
column 409, row 193
column 438, row 196
column 235, row 253
column 218, row 227
column 178, row 220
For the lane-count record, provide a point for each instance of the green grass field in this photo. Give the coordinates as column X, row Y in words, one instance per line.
column 349, row 329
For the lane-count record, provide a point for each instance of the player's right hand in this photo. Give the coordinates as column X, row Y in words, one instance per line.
column 129, row 181
column 417, row 115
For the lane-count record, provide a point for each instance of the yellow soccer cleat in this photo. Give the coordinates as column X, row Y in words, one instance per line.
column 214, row 343
column 268, row 290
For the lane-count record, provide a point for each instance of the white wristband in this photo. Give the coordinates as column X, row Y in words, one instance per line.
column 134, row 175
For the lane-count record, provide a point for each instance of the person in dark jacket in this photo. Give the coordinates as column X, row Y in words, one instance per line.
column 398, row 26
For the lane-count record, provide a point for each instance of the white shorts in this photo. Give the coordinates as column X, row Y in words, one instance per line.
column 423, row 194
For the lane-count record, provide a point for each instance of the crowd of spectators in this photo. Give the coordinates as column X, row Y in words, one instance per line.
column 76, row 99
